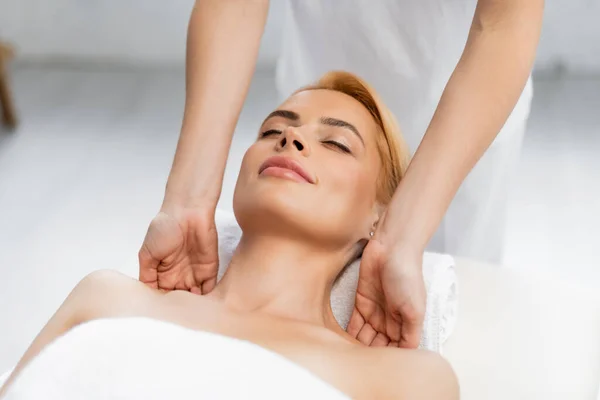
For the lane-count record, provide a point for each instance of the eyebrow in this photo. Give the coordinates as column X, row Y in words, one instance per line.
column 342, row 124
column 283, row 114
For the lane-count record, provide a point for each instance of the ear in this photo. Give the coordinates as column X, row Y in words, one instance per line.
column 376, row 214
column 370, row 226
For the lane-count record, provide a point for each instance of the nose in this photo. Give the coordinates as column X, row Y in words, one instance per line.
column 292, row 139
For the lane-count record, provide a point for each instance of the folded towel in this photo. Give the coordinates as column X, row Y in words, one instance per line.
column 438, row 272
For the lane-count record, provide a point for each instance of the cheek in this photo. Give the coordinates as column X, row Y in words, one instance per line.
column 250, row 165
column 353, row 186
column 251, row 160
column 344, row 207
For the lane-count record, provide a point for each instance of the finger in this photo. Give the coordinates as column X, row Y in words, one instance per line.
column 196, row 290
column 204, row 276
column 356, row 323
column 208, row 285
column 148, row 268
column 380, row 340
column 393, row 328
column 412, row 327
column 366, row 335
column 393, row 344
column 411, row 334
column 186, row 282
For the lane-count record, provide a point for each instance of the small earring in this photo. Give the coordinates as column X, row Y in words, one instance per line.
column 371, row 234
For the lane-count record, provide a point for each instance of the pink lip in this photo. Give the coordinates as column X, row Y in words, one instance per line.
column 284, row 167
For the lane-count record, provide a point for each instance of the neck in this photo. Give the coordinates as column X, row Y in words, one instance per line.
column 281, row 277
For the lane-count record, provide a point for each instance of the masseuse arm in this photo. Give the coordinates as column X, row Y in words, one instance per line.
column 222, row 48
column 180, row 248
column 477, row 100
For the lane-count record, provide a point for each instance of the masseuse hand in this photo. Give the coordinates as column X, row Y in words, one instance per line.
column 390, row 299
column 180, row 251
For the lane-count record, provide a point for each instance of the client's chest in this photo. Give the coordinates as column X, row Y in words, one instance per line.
column 318, row 350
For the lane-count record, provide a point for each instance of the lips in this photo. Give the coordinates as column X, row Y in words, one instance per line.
column 285, row 167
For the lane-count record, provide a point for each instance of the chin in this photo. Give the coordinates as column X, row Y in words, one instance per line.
column 278, row 207
column 279, row 214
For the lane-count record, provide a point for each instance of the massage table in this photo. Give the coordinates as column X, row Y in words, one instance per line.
column 524, row 336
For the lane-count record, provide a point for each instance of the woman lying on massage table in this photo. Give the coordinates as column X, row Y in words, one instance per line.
column 308, row 197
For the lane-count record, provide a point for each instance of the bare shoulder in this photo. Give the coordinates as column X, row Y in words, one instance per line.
column 108, row 293
column 414, row 374
column 101, row 294
column 106, row 279
column 108, row 283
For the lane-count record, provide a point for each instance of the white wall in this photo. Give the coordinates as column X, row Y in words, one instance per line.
column 571, row 36
column 134, row 31
column 153, row 31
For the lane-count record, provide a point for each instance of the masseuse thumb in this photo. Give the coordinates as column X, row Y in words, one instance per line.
column 412, row 325
column 410, row 335
column 148, row 268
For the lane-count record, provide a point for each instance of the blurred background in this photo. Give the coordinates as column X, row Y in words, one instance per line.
column 98, row 88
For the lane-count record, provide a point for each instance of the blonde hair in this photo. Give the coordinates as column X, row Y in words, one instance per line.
column 392, row 149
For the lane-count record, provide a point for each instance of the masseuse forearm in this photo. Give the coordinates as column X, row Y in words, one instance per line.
column 478, row 99
column 222, row 48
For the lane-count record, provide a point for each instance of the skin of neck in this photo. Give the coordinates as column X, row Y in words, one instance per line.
column 283, row 277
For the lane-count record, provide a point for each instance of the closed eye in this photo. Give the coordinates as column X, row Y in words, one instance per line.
column 340, row 146
column 270, row 132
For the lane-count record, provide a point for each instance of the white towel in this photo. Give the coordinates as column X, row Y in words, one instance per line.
column 110, row 359
column 438, row 272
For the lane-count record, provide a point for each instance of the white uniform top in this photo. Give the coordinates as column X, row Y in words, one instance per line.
column 407, row 50
column 140, row 358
